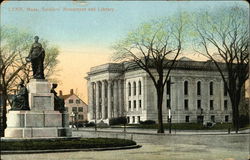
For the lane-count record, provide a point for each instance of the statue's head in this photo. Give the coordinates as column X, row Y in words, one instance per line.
column 21, row 83
column 36, row 38
column 54, row 85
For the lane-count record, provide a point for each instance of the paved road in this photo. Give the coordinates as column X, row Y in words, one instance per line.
column 154, row 131
column 159, row 147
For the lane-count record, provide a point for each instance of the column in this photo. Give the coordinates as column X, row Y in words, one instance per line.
column 103, row 100
column 109, row 98
column 115, row 99
column 90, row 100
column 120, row 90
column 97, row 100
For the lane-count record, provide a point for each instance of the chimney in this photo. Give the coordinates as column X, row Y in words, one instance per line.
column 71, row 91
column 60, row 93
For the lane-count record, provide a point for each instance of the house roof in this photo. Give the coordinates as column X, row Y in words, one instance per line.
column 69, row 95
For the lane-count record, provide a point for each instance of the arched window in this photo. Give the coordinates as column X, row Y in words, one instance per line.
column 129, row 89
column 199, row 88
column 139, row 87
column 211, row 88
column 134, row 86
column 186, row 88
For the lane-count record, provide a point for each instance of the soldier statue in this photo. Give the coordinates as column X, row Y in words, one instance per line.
column 20, row 101
column 59, row 104
column 36, row 57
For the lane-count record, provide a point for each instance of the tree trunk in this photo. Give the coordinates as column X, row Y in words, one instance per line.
column 235, row 106
column 159, row 90
column 4, row 111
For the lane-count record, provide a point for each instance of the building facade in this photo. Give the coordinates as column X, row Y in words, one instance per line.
column 194, row 93
column 76, row 108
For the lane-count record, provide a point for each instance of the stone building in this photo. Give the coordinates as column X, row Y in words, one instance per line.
column 76, row 108
column 195, row 94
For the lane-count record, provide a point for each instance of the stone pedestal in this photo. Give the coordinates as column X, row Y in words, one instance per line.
column 42, row 120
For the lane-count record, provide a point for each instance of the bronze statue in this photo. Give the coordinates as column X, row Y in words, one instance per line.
column 59, row 104
column 20, row 101
column 36, row 57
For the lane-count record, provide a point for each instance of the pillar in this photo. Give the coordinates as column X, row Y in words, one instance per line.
column 115, row 98
column 120, row 94
column 97, row 100
column 109, row 98
column 103, row 100
column 90, row 100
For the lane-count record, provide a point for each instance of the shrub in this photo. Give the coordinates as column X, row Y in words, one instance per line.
column 90, row 124
column 244, row 120
column 118, row 121
column 147, row 122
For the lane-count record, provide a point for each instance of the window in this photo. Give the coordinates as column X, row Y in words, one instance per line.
column 112, row 109
column 134, row 103
column 129, row 104
column 139, row 103
column 200, row 119
column 186, row 88
column 186, row 104
column 77, row 101
column 133, row 119
column 129, row 89
column 211, row 88
column 199, row 104
column 225, row 105
column 134, row 85
column 168, row 103
column 71, row 101
column 80, row 109
column 74, row 109
column 128, row 119
column 80, row 117
column 225, row 89
column 211, row 104
column 139, row 87
column 168, row 87
column 139, row 119
column 199, row 88
column 226, row 118
column 212, row 118
column 187, row 119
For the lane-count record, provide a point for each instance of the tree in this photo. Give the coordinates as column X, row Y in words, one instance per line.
column 224, row 38
column 15, row 46
column 154, row 47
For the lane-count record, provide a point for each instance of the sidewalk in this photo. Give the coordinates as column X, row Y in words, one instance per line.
column 154, row 131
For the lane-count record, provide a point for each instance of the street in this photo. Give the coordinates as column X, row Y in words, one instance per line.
column 159, row 147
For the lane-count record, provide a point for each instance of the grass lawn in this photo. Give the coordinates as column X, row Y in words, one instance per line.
column 81, row 143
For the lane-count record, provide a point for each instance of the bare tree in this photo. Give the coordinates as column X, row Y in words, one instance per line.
column 224, row 37
column 15, row 46
column 154, row 47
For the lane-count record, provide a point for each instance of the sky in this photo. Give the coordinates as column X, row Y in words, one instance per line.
column 84, row 31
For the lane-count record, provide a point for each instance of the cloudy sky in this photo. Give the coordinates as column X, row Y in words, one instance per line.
column 85, row 31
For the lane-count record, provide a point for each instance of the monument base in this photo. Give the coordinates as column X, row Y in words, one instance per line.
column 37, row 132
column 28, row 124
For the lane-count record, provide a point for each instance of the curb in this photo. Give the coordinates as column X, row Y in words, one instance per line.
column 69, row 150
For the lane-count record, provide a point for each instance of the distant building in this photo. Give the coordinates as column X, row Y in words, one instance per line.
column 196, row 93
column 76, row 108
